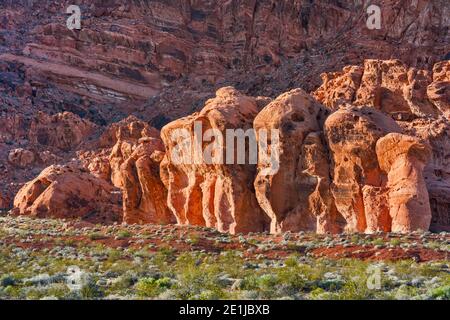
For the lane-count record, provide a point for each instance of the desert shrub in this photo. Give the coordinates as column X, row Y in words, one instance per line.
column 378, row 242
column 442, row 293
column 395, row 242
column 319, row 294
column 91, row 291
column 123, row 282
column 124, row 234
column 14, row 292
column 293, row 278
column 57, row 290
column 193, row 239
column 114, row 255
column 404, row 292
column 209, row 295
column 196, row 276
column 96, row 236
column 150, row 287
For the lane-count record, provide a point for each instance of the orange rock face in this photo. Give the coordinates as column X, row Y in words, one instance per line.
column 418, row 99
column 389, row 86
column 128, row 156
column 404, row 158
column 127, row 136
column 100, row 167
column 297, row 196
column 439, row 90
column 437, row 172
column 68, row 192
column 376, row 209
column 352, row 134
column 144, row 195
column 214, row 195
column 339, row 88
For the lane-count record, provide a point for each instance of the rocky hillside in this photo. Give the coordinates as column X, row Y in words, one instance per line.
column 145, row 51
column 365, row 141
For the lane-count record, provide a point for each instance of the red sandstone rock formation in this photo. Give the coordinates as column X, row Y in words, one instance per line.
column 437, row 172
column 352, row 134
column 68, row 192
column 177, row 52
column 297, row 197
column 389, row 86
column 340, row 87
column 144, row 195
column 127, row 136
column 132, row 164
column 439, row 90
column 99, row 167
column 216, row 195
column 408, row 99
column 404, row 158
column 117, row 142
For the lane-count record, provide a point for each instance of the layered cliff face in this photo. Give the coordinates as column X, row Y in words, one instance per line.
column 139, row 49
column 63, row 92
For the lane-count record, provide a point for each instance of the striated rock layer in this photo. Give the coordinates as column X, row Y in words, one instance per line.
column 136, row 50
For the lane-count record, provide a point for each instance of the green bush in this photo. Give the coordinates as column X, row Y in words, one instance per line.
column 441, row 293
column 150, row 287
column 124, row 234
column 96, row 236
